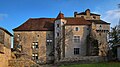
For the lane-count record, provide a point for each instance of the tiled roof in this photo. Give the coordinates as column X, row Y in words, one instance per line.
column 6, row 31
column 36, row 24
column 77, row 21
column 98, row 21
column 83, row 13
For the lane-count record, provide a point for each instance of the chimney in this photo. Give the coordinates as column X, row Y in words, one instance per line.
column 87, row 12
column 75, row 13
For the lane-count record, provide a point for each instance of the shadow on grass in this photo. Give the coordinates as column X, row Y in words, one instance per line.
column 109, row 64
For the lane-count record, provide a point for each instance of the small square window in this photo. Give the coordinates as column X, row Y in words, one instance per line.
column 37, row 35
column 49, row 42
column 35, row 56
column 35, row 45
column 18, row 35
column 94, row 17
column 100, row 27
column 57, row 34
column 76, row 51
column 58, row 25
column 76, row 39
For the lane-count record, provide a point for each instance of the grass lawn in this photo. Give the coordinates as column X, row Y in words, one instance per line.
column 109, row 64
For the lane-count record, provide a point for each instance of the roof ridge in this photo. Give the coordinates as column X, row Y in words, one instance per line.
column 42, row 18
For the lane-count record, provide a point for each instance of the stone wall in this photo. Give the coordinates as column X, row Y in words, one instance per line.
column 26, row 38
column 4, row 57
column 5, row 48
column 21, row 63
column 69, row 43
column 81, row 59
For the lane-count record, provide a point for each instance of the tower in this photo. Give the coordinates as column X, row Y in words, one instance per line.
column 59, row 36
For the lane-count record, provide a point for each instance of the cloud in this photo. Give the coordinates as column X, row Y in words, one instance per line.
column 3, row 16
column 112, row 16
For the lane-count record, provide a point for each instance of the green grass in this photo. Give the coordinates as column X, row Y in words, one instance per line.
column 111, row 64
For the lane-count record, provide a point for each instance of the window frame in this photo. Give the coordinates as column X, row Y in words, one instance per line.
column 77, row 28
column 76, row 39
column 35, row 56
column 49, row 41
column 35, row 45
column 58, row 34
column 76, row 51
column 58, row 25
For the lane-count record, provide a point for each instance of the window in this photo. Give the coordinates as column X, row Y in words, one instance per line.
column 35, row 45
column 63, row 22
column 37, row 35
column 58, row 25
column 35, row 56
column 18, row 35
column 76, row 28
column 76, row 39
column 94, row 17
column 19, row 47
column 49, row 42
column 76, row 51
column 57, row 34
column 82, row 16
column 100, row 26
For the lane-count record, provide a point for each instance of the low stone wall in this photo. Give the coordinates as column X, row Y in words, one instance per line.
column 21, row 63
column 85, row 59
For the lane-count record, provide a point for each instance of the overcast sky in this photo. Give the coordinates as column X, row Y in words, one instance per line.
column 15, row 12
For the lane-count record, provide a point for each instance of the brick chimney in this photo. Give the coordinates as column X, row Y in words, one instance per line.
column 87, row 12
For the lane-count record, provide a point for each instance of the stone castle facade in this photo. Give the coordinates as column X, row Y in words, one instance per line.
column 46, row 40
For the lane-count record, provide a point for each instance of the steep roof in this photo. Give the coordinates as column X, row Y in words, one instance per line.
column 98, row 21
column 84, row 13
column 6, row 31
column 44, row 24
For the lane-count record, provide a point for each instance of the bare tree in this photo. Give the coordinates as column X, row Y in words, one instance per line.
column 61, row 41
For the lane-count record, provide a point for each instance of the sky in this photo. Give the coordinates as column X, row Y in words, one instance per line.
column 15, row 12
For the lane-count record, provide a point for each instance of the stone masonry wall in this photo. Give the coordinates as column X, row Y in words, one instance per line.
column 26, row 39
column 69, row 43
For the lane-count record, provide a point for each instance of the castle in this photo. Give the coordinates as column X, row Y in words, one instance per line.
column 45, row 40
